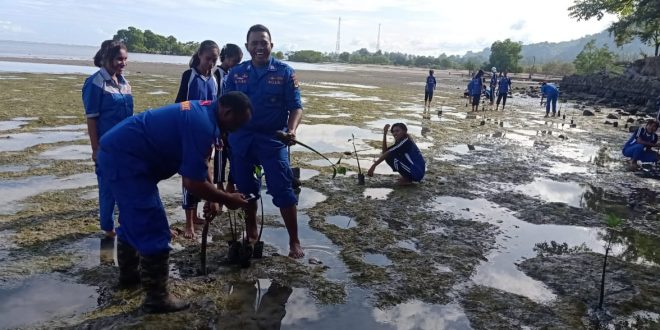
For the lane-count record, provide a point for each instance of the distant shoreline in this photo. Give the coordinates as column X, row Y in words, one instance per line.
column 136, row 67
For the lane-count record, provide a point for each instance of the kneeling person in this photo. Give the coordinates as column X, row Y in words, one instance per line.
column 403, row 157
column 153, row 146
column 638, row 147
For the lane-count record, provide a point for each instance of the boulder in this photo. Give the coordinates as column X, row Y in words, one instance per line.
column 587, row 113
column 630, row 120
column 612, row 116
column 607, row 123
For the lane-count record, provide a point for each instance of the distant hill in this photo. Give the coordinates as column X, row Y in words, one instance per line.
column 566, row 51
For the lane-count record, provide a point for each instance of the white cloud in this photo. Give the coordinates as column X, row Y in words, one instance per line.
column 8, row 26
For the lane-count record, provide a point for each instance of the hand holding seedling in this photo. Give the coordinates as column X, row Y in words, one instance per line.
column 235, row 200
column 211, row 210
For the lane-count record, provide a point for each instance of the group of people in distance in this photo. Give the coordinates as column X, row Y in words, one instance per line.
column 223, row 114
column 500, row 84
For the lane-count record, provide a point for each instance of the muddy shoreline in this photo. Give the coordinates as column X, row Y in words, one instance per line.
column 464, row 249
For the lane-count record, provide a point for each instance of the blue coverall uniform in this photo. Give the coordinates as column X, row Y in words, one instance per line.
column 551, row 92
column 429, row 88
column 638, row 151
column 475, row 87
column 274, row 92
column 109, row 103
column 406, row 159
column 147, row 148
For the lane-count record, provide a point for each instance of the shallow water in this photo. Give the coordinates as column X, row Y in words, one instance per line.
column 377, row 259
column 346, row 96
column 72, row 152
column 341, row 221
column 333, row 138
column 15, row 191
column 571, row 193
column 20, row 141
column 516, row 242
column 11, row 124
column 307, row 199
column 25, row 67
column 44, row 297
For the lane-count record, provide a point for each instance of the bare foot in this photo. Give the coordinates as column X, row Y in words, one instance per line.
column 403, row 182
column 296, row 251
column 190, row 232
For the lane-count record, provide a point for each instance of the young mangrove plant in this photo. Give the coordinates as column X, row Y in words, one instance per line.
column 613, row 223
column 357, row 159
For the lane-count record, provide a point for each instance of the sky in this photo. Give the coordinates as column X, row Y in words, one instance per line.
column 424, row 27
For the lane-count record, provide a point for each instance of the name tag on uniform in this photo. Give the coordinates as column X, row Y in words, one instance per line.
column 275, row 80
column 241, row 78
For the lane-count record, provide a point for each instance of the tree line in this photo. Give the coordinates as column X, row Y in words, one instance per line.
column 146, row 41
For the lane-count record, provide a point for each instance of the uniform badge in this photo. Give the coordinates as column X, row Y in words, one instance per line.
column 204, row 103
column 185, row 106
column 296, row 83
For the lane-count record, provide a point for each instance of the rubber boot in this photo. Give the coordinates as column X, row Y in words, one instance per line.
column 129, row 262
column 154, row 274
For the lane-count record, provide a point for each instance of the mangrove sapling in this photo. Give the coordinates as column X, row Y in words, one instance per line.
column 258, row 249
column 205, row 231
column 357, row 158
column 613, row 222
column 284, row 137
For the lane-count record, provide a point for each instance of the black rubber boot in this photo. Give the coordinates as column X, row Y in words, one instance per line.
column 154, row 272
column 129, row 262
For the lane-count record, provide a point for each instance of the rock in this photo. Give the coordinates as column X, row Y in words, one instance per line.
column 623, row 113
column 612, row 116
column 315, row 261
column 607, row 123
column 587, row 113
column 615, row 124
column 630, row 120
column 632, row 128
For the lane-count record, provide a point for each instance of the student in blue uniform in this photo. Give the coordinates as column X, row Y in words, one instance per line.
column 639, row 146
column 273, row 89
column 475, row 89
column 198, row 83
column 503, row 90
column 551, row 92
column 429, row 89
column 107, row 100
column 230, row 56
column 403, row 157
column 493, row 85
column 153, row 146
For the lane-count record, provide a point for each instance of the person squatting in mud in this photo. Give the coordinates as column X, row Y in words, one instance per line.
column 198, row 83
column 150, row 147
column 107, row 100
column 639, row 146
column 403, row 157
column 273, row 89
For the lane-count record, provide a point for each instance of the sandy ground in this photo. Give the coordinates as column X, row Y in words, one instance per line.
column 505, row 231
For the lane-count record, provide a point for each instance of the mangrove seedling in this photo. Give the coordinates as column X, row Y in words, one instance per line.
column 205, row 232
column 357, row 158
column 613, row 222
column 284, row 137
column 258, row 249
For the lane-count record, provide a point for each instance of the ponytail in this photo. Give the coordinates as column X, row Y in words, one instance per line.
column 98, row 58
column 109, row 50
column 203, row 47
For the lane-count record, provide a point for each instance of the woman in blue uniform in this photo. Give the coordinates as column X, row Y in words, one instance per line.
column 429, row 89
column 198, row 83
column 638, row 147
column 107, row 100
column 474, row 88
column 503, row 91
column 403, row 157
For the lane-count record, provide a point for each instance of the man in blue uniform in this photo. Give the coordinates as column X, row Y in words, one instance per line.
column 639, row 146
column 428, row 90
column 474, row 88
column 503, row 90
column 273, row 90
column 145, row 149
column 551, row 92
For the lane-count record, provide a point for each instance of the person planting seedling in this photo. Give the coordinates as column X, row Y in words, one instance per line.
column 403, row 157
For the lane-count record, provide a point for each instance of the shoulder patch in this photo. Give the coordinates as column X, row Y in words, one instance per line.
column 185, row 106
column 296, row 83
column 205, row 103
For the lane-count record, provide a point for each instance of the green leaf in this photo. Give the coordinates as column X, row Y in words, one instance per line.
column 341, row 170
column 613, row 221
column 258, row 171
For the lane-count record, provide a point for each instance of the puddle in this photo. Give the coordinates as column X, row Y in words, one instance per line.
column 25, row 118
column 306, row 174
column 11, row 124
column 377, row 259
column 320, row 116
column 522, row 140
column 414, row 127
column 341, row 221
column 315, row 244
column 582, row 152
column 6, row 244
column 464, row 149
column 64, row 128
column 347, row 96
column 20, row 141
column 44, row 297
column 66, row 117
column 516, row 242
column 348, row 85
column 15, row 191
column 333, row 138
column 382, row 168
column 264, row 304
column 158, row 92
column 571, row 193
column 72, row 152
column 563, row 168
column 377, row 193
column 408, row 245
column 307, row 199
column 13, row 168
column 460, row 115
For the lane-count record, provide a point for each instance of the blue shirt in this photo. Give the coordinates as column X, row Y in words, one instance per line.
column 106, row 101
column 176, row 138
column 195, row 86
column 504, row 85
column 274, row 93
column 430, row 83
column 475, row 86
column 549, row 90
column 407, row 150
column 493, row 80
column 641, row 133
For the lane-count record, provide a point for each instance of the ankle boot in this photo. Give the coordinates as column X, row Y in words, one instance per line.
column 129, row 261
column 154, row 272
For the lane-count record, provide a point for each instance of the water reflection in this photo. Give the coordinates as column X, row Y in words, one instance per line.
column 250, row 308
